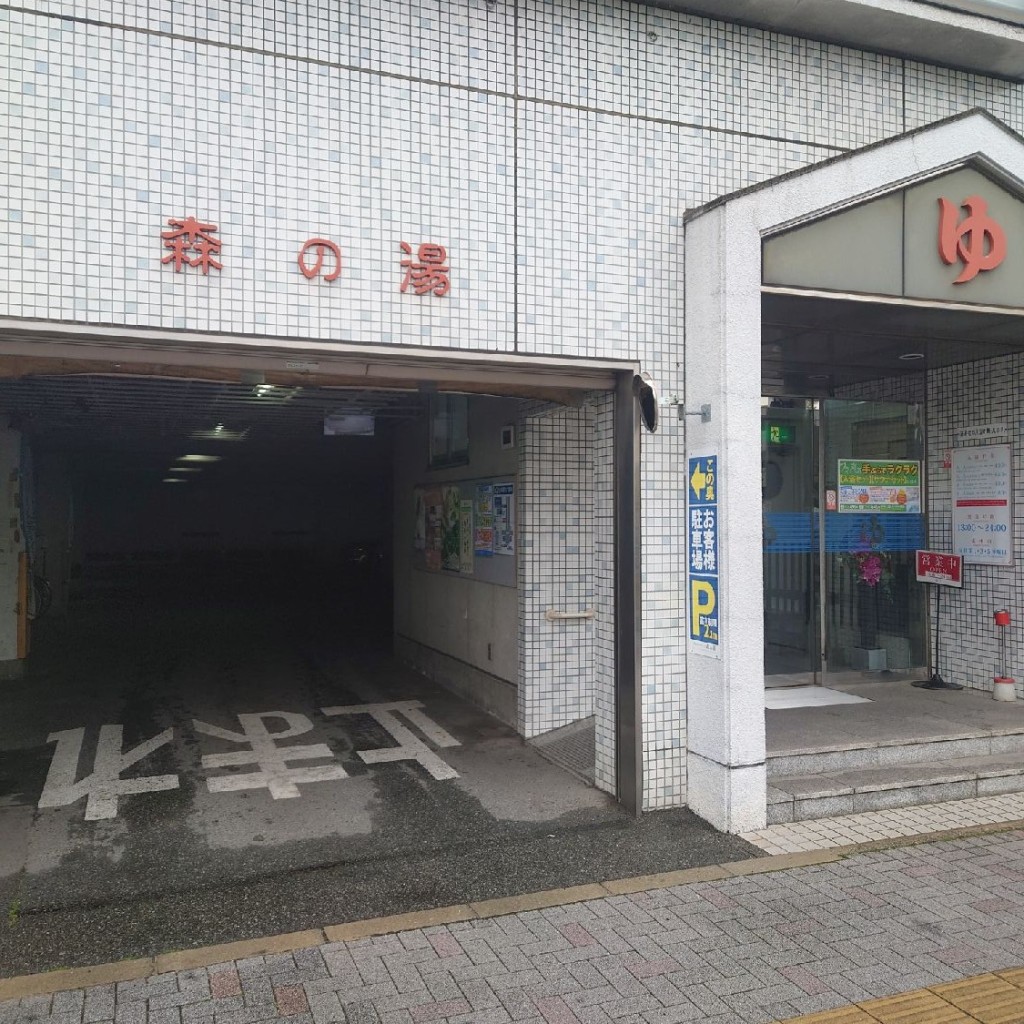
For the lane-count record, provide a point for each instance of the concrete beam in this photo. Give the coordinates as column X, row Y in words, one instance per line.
column 953, row 34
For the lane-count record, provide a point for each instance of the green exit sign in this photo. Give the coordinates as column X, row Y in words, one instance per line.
column 777, row 433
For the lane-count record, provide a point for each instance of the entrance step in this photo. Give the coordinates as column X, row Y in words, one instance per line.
column 801, row 797
column 904, row 752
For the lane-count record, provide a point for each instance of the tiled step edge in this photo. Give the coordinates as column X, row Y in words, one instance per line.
column 827, row 798
column 880, row 755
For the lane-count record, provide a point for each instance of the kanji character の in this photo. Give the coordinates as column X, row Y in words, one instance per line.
column 188, row 236
column 320, row 247
column 428, row 272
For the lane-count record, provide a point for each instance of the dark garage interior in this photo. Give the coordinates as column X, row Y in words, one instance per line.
column 149, row 492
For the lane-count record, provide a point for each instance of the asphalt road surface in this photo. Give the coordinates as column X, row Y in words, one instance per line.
column 174, row 775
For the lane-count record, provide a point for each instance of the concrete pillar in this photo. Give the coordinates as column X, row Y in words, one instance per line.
column 726, row 777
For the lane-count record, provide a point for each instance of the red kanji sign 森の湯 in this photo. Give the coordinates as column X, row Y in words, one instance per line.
column 192, row 244
column 428, row 272
column 321, row 246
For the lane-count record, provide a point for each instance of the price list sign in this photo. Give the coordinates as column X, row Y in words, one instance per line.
column 983, row 504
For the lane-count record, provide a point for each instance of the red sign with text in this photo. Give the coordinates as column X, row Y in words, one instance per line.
column 939, row 567
column 977, row 241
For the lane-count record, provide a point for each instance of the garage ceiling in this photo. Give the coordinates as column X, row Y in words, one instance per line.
column 90, row 411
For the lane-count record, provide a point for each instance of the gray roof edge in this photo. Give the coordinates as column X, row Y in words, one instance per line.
column 964, row 35
column 700, row 211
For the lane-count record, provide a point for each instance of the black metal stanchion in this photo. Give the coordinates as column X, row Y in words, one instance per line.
column 936, row 682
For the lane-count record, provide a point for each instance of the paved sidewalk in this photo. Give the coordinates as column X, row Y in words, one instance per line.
column 752, row 948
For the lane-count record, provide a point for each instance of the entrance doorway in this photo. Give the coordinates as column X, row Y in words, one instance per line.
column 842, row 508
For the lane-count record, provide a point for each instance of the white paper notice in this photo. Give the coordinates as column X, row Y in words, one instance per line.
column 982, row 504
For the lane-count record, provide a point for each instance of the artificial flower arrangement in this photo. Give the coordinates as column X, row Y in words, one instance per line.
column 871, row 565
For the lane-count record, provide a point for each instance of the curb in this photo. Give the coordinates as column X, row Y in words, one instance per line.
column 206, row 956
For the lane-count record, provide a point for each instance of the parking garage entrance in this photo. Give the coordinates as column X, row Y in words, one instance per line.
column 272, row 621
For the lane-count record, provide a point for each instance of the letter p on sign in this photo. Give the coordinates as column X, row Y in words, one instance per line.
column 703, row 618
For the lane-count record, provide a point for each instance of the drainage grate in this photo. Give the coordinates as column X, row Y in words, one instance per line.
column 571, row 748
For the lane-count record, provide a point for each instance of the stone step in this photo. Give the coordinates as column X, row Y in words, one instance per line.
column 826, row 794
column 894, row 754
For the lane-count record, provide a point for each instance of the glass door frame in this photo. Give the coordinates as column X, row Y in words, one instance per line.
column 818, row 671
column 808, row 471
column 916, row 451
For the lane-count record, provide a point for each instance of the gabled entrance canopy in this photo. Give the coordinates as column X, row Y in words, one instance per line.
column 724, row 282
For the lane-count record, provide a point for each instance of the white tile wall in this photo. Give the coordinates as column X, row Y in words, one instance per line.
column 129, row 129
column 552, row 146
column 967, row 395
column 556, row 567
column 933, row 93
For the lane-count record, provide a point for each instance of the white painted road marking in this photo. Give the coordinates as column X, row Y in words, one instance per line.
column 274, row 774
column 104, row 785
column 410, row 747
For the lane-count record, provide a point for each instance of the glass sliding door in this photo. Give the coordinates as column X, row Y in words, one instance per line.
column 874, row 611
column 789, row 490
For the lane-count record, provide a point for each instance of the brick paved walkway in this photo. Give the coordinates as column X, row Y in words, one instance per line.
column 752, row 948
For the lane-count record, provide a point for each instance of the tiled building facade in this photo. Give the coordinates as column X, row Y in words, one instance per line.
column 553, row 149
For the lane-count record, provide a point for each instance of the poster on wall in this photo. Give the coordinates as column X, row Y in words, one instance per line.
column 466, row 537
column 982, row 481
column 483, row 532
column 451, row 517
column 504, row 519
column 432, row 551
column 879, row 485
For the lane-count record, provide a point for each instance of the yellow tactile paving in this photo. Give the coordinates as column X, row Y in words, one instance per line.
column 989, row 999
column 996, row 998
column 1015, row 976
column 921, row 1007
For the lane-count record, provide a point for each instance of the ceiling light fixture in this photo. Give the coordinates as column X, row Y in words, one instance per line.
column 908, row 357
column 174, row 480
column 219, row 433
column 198, row 458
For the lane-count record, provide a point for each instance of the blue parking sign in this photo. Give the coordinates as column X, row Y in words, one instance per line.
column 703, row 551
